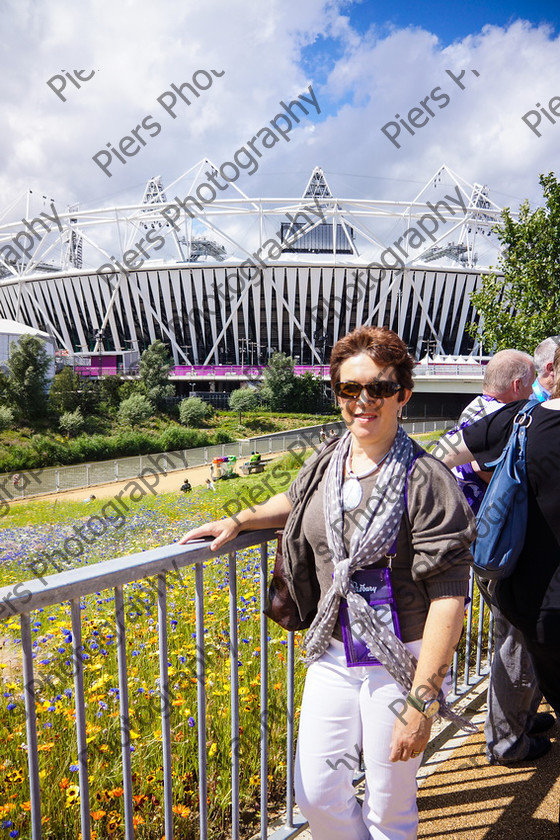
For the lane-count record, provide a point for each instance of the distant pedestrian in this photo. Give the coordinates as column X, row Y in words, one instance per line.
column 186, row 486
column 210, row 485
column 322, row 435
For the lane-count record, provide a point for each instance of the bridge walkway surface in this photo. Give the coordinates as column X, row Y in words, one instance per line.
column 462, row 797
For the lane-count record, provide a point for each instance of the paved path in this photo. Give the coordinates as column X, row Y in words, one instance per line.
column 168, row 483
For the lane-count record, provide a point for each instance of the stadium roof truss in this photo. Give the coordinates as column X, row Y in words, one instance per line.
column 438, row 230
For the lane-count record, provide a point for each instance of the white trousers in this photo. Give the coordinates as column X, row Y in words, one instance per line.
column 344, row 711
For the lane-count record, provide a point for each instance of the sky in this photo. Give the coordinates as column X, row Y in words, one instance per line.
column 461, row 77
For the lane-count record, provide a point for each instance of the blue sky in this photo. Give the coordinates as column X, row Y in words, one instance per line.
column 451, row 20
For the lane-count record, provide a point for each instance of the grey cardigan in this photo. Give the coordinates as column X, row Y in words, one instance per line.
column 433, row 553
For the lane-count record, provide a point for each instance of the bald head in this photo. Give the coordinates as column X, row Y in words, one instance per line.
column 509, row 376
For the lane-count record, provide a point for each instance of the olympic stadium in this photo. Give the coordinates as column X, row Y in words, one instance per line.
column 225, row 282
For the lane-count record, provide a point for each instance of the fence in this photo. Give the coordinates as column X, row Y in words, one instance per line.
column 471, row 664
column 30, row 483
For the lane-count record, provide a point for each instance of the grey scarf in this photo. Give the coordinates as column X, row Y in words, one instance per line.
column 368, row 545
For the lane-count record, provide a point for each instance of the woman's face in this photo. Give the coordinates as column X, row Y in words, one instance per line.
column 370, row 420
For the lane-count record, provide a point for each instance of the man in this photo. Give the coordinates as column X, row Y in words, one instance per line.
column 508, row 376
column 513, row 726
column 544, row 354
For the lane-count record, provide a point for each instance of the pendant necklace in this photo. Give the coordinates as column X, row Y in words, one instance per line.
column 352, row 489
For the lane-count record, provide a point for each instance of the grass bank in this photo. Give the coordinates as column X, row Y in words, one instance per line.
column 29, row 449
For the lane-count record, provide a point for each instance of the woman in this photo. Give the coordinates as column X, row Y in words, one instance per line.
column 358, row 498
column 530, row 598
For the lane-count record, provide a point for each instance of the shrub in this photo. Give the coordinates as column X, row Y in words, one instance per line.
column 6, row 417
column 243, row 399
column 72, row 422
column 174, row 437
column 136, row 409
column 194, row 411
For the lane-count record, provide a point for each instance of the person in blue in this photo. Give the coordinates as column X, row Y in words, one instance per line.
column 544, row 356
column 513, row 727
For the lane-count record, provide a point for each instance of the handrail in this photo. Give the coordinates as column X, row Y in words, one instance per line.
column 72, row 584
column 42, row 591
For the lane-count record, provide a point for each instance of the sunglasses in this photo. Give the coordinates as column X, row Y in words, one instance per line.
column 379, row 389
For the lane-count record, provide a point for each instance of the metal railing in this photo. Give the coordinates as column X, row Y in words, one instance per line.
column 471, row 664
column 109, row 367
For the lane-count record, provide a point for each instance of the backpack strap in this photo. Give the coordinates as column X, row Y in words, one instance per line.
column 518, row 434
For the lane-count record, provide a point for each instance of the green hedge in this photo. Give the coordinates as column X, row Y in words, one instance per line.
column 47, row 451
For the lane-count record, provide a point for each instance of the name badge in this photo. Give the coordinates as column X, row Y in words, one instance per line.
column 374, row 585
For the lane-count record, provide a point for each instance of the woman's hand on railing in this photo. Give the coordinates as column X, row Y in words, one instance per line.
column 223, row 529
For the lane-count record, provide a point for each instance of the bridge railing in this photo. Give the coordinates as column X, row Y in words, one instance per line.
column 471, row 664
column 256, row 371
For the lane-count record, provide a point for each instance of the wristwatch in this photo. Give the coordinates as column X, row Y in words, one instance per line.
column 428, row 708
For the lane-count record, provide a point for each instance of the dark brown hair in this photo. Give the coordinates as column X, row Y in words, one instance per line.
column 379, row 343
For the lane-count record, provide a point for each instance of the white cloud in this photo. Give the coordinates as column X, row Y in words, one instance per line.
column 139, row 48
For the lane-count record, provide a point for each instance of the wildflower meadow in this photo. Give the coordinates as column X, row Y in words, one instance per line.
column 31, row 530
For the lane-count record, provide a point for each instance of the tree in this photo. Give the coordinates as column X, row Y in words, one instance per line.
column 27, row 381
column 134, row 410
column 72, row 422
column 194, row 411
column 308, row 393
column 521, row 306
column 243, row 399
column 6, row 417
column 155, row 365
column 279, row 380
column 111, row 391
column 70, row 391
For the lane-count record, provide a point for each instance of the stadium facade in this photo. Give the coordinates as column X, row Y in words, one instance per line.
column 240, row 278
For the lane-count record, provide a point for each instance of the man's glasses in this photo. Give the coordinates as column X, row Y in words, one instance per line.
column 378, row 389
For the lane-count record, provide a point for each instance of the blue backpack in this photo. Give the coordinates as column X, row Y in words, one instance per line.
column 502, row 518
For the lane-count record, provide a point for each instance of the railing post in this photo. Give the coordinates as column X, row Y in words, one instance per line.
column 124, row 713
column 264, row 690
column 234, row 677
column 290, row 732
column 31, row 727
column 201, row 701
column 468, row 632
column 79, row 705
column 165, row 705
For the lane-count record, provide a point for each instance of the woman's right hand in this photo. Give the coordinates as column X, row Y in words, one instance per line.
column 223, row 529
